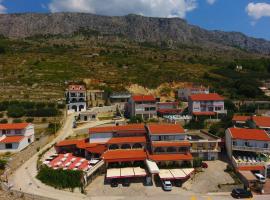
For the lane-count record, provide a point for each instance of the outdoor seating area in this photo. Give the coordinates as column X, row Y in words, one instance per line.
column 249, row 158
column 69, row 162
column 175, row 174
column 128, row 172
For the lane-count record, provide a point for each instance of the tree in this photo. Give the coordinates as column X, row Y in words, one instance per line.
column 15, row 111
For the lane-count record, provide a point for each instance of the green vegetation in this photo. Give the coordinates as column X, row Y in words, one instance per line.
column 197, row 162
column 3, row 121
column 2, row 164
column 60, row 178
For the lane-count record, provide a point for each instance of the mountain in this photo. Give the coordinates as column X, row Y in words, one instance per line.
column 173, row 31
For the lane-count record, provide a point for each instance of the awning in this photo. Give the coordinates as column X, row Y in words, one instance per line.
column 127, row 172
column 188, row 171
column 178, row 173
column 139, row 172
column 165, row 174
column 248, row 175
column 113, row 173
column 152, row 167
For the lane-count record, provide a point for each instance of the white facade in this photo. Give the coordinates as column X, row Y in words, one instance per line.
column 184, row 93
column 76, row 98
column 14, row 140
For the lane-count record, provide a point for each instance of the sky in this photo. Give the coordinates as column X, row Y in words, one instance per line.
column 251, row 17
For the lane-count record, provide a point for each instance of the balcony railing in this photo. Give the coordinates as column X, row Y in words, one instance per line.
column 204, row 150
column 249, row 148
column 239, row 163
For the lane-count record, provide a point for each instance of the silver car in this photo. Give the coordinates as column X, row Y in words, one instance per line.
column 167, row 185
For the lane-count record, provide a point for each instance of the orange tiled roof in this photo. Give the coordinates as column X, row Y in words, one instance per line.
column 204, row 113
column 261, row 121
column 14, row 126
column 240, row 118
column 171, row 144
column 249, row 134
column 170, row 157
column 160, row 129
column 120, row 140
column 250, row 168
column 143, row 98
column 121, row 128
column 206, row 97
column 76, row 87
column 124, row 155
column 68, row 143
column 12, row 139
column 98, row 148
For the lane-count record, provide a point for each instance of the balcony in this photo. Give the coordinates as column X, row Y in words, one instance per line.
column 205, row 150
column 250, row 148
column 239, row 161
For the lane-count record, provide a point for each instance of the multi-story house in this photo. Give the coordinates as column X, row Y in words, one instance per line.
column 168, row 108
column 204, row 145
column 168, row 144
column 144, row 106
column 240, row 120
column 248, row 149
column 76, row 98
column 184, row 93
column 260, row 122
column 96, row 98
column 15, row 137
column 206, row 104
column 120, row 99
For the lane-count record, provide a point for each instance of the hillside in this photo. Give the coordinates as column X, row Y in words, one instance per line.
column 39, row 58
column 173, row 31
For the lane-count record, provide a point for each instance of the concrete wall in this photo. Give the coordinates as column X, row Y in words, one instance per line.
column 168, row 137
column 228, row 143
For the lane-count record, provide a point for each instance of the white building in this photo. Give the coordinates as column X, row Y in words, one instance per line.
column 184, row 93
column 76, row 98
column 248, row 149
column 206, row 104
column 15, row 137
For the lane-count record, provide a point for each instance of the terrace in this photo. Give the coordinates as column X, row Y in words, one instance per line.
column 249, row 159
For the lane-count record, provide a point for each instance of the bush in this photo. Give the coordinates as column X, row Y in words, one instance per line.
column 1, row 115
column 3, row 121
column 197, row 162
column 135, row 120
column 29, row 120
column 17, row 121
column 61, row 106
column 15, row 111
column 3, row 164
column 60, row 178
column 195, row 124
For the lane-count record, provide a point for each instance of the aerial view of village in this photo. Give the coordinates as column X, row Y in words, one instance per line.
column 141, row 99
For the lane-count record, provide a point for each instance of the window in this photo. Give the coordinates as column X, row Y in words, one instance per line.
column 265, row 145
column 9, row 146
column 247, row 144
column 217, row 108
column 4, row 132
column 29, row 140
column 17, row 131
column 234, row 143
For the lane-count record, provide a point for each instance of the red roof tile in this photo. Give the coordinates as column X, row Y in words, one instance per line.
column 261, row 121
column 240, row 118
column 124, row 155
column 161, row 129
column 206, row 97
column 12, row 139
column 98, row 148
column 14, row 126
column 76, row 87
column 68, row 143
column 122, row 128
column 250, row 168
column 204, row 113
column 137, row 98
column 171, row 144
column 170, row 157
column 249, row 134
column 120, row 140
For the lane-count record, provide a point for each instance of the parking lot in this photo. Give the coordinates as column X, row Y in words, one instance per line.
column 202, row 183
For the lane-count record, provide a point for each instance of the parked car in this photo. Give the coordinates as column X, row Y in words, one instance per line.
column 204, row 165
column 260, row 177
column 167, row 185
column 114, row 183
column 241, row 193
column 126, row 182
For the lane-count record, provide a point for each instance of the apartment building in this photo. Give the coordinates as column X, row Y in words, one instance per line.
column 184, row 93
column 15, row 137
column 76, row 98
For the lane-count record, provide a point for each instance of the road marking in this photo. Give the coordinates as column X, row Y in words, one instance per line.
column 193, row 198
column 209, row 198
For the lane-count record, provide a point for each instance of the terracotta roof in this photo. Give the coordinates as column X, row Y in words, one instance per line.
column 250, row 168
column 124, row 155
column 169, row 111
column 120, row 140
column 171, row 144
column 161, row 129
column 249, row 134
column 122, row 128
column 261, row 121
column 76, row 87
column 12, row 139
column 14, row 126
column 98, row 148
column 204, row 113
column 137, row 98
column 240, row 118
column 170, row 157
column 68, row 143
column 206, row 97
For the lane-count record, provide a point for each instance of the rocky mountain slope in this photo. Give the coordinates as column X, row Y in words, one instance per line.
column 141, row 29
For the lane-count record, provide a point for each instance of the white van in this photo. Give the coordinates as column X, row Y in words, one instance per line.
column 260, row 177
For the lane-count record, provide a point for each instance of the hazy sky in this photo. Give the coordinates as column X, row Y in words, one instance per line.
column 251, row 17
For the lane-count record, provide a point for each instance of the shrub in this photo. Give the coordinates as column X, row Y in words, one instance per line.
column 15, row 111
column 61, row 106
column 3, row 121
column 60, row 178
column 197, row 162
column 1, row 115
column 17, row 121
column 29, row 120
column 3, row 164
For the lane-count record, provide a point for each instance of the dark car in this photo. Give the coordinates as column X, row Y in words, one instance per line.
column 241, row 193
column 114, row 183
column 204, row 165
column 126, row 183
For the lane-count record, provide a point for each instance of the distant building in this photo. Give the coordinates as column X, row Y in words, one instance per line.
column 240, row 121
column 206, row 104
column 120, row 99
column 15, row 137
column 144, row 106
column 76, row 98
column 260, row 122
column 86, row 116
column 96, row 98
column 184, row 93
column 168, row 108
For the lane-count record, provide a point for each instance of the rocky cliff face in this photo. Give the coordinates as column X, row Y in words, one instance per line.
column 138, row 28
